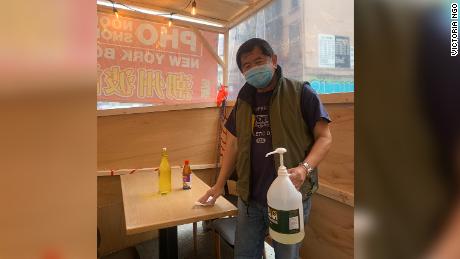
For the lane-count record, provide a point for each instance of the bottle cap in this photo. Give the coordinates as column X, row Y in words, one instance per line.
column 186, row 162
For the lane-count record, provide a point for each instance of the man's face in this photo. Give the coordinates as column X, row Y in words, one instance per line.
column 256, row 58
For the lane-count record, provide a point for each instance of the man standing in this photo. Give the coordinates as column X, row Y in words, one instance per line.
column 271, row 111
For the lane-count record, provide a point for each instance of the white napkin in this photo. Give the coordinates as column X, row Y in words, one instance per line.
column 204, row 204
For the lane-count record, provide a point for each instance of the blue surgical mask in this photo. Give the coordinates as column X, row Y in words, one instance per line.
column 259, row 76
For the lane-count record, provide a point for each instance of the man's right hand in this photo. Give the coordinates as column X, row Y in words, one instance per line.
column 212, row 193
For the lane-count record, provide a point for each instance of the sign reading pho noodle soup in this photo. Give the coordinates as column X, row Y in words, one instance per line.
column 148, row 62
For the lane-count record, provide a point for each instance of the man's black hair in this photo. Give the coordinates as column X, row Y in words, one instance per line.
column 249, row 46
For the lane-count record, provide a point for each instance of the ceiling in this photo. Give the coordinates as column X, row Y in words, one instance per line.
column 226, row 12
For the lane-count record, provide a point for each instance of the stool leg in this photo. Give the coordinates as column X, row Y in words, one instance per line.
column 216, row 238
column 195, row 245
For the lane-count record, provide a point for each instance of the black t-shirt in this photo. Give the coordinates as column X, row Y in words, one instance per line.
column 263, row 170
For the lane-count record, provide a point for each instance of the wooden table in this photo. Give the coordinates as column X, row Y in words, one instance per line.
column 145, row 209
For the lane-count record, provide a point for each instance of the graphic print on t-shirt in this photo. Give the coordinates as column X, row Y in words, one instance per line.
column 261, row 125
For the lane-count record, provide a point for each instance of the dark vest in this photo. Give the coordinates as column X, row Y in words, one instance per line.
column 289, row 130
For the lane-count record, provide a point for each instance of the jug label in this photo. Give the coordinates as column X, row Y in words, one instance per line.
column 284, row 221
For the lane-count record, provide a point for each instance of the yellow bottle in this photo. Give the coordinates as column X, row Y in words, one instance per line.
column 165, row 173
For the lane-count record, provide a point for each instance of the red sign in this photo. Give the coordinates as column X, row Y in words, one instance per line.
column 148, row 62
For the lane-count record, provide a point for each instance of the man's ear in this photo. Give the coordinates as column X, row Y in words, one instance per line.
column 274, row 61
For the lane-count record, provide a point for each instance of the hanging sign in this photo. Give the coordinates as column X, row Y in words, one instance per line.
column 148, row 62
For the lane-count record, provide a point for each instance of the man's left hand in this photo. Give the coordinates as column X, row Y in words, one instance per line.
column 297, row 176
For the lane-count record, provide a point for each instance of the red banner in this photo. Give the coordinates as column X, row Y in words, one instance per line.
column 148, row 62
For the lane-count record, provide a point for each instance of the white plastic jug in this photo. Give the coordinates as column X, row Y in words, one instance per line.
column 285, row 207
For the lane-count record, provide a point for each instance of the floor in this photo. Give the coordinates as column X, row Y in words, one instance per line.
column 149, row 249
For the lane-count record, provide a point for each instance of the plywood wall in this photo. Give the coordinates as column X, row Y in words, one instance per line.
column 337, row 169
column 329, row 233
column 111, row 220
column 135, row 140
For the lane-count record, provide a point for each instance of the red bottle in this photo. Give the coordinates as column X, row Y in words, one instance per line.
column 186, row 176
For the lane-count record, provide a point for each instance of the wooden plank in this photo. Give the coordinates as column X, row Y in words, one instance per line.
column 145, row 209
column 337, row 98
column 226, row 50
column 237, row 14
column 135, row 140
column 329, row 190
column 159, row 108
column 138, row 170
column 325, row 99
column 346, row 98
column 330, row 230
column 208, row 46
column 241, row 2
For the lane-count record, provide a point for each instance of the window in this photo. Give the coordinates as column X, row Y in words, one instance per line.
column 295, row 32
column 294, row 4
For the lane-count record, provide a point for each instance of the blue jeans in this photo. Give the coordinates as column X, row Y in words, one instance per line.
column 252, row 228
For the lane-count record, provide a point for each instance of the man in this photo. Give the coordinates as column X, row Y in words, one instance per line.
column 271, row 111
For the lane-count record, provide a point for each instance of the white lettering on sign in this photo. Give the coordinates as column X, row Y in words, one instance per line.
column 186, row 62
column 141, row 35
column 108, row 53
column 194, row 63
column 125, row 25
column 173, row 37
column 148, row 35
column 174, row 60
column 138, row 56
column 142, row 56
column 189, row 38
column 116, row 36
column 127, row 55
column 159, row 58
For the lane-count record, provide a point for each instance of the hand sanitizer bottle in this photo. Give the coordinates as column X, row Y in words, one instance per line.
column 285, row 208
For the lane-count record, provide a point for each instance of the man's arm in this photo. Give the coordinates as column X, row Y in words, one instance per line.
column 323, row 140
column 228, row 165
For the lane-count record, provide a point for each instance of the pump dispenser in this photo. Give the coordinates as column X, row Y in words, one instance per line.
column 285, row 208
